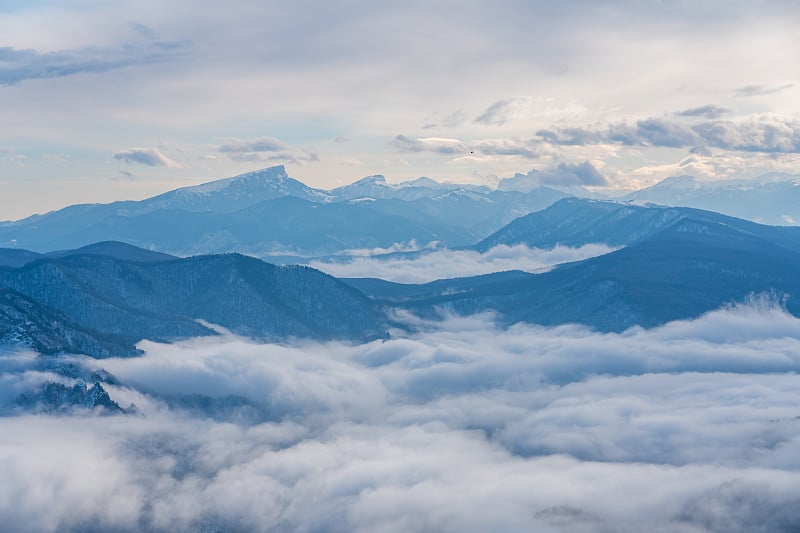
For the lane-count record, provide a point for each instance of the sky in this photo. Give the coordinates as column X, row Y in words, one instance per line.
column 122, row 100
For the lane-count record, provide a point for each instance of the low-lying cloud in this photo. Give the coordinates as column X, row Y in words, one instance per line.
column 426, row 266
column 692, row 426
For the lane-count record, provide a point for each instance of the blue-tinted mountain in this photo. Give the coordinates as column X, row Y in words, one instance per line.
column 117, row 250
column 687, row 267
column 231, row 194
column 26, row 323
column 474, row 213
column 129, row 300
column 282, row 225
column 57, row 398
column 267, row 213
column 473, row 209
column 17, row 257
column 768, row 199
column 394, row 292
column 376, row 187
column 300, row 226
column 577, row 221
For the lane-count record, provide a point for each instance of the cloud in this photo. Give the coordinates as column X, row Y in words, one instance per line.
column 706, row 111
column 472, row 149
column 10, row 155
column 428, row 266
column 20, row 65
column 461, row 427
column 265, row 149
column 761, row 90
column 262, row 144
column 151, row 157
column 143, row 30
column 506, row 147
column 564, row 175
column 437, row 145
column 498, row 113
column 571, row 174
column 453, row 120
column 763, row 133
column 528, row 109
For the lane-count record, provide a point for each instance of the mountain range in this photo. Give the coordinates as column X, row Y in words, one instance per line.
column 675, row 263
column 672, row 263
column 267, row 213
column 769, row 199
column 67, row 283
column 577, row 221
column 102, row 305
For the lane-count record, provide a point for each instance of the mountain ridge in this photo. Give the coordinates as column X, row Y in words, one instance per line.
column 163, row 300
column 577, row 221
column 229, row 215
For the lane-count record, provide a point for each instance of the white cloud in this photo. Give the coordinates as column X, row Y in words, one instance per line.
column 768, row 133
column 464, row 427
column 445, row 263
column 762, row 89
column 499, row 112
column 18, row 65
column 152, row 157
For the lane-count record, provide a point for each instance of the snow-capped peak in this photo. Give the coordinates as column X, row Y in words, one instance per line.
column 271, row 175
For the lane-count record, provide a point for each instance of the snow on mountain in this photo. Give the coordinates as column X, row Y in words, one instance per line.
column 769, row 199
column 377, row 187
column 231, row 194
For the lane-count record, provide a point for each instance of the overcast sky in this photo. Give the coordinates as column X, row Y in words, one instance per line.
column 112, row 100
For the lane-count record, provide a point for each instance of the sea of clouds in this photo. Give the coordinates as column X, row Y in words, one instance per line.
column 689, row 427
column 432, row 264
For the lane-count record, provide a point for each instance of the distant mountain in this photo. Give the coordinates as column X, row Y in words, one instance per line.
column 231, row 194
column 577, row 221
column 533, row 180
column 376, row 187
column 475, row 213
column 403, row 292
column 689, row 263
column 282, row 225
column 115, row 249
column 17, row 257
column 769, row 199
column 267, row 213
column 291, row 224
column 131, row 300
